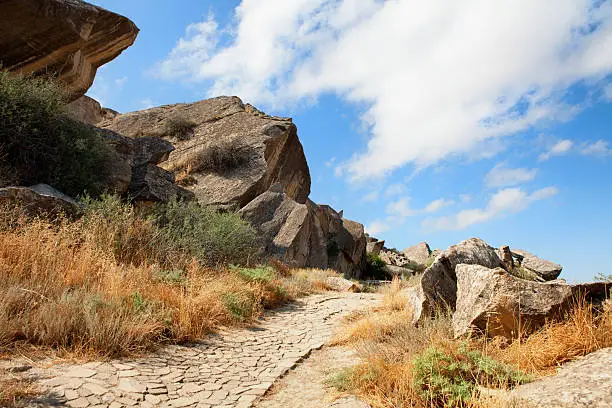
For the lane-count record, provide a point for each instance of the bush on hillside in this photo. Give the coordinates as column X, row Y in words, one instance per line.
column 375, row 267
column 205, row 233
column 180, row 127
column 38, row 144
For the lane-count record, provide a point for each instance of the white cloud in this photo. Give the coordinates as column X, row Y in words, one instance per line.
column 437, row 205
column 506, row 201
column 121, row 81
column 377, row 227
column 395, row 190
column 371, row 197
column 435, row 86
column 146, row 103
column 559, row 149
column 401, row 208
column 607, row 92
column 598, row 148
column 503, row 176
column 330, row 162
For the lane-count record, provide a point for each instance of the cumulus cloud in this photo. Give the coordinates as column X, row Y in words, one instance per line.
column 438, row 78
column 503, row 176
column 371, row 197
column 401, row 208
column 598, row 148
column 377, row 227
column 558, row 149
column 506, row 201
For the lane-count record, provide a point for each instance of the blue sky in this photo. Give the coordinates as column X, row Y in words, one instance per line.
column 426, row 121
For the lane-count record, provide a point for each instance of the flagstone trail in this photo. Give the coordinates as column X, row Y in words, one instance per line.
column 233, row 368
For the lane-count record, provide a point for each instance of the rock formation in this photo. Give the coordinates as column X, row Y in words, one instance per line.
column 583, row 383
column 374, row 247
column 88, row 110
column 40, row 199
column 494, row 302
column 542, row 269
column 226, row 152
column 64, row 39
column 418, row 253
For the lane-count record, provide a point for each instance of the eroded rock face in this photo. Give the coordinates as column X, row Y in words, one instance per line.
column 374, row 247
column 306, row 234
column 66, row 39
column 40, row 199
column 544, row 270
column 438, row 285
column 583, row 383
column 229, row 152
column 493, row 302
column 418, row 253
column 88, row 110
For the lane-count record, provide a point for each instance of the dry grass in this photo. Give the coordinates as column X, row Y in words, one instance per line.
column 81, row 291
column 396, row 355
column 14, row 392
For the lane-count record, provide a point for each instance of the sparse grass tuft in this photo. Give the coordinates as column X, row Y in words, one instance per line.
column 14, row 393
column 180, row 127
column 221, row 158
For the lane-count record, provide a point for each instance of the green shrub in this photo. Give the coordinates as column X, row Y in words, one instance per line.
column 262, row 274
column 205, row 233
column 38, row 144
column 375, row 267
column 240, row 306
column 450, row 379
column 180, row 127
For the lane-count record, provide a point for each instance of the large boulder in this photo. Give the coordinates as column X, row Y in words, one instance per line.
column 542, row 269
column 374, row 247
column 40, row 199
column 584, row 383
column 64, row 39
column 88, row 110
column 392, row 257
column 418, row 253
column 437, row 288
column 306, row 234
column 227, row 152
column 494, row 302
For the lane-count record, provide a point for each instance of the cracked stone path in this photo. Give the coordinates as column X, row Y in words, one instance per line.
column 233, row 368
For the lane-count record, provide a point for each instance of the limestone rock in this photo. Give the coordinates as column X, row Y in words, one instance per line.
column 418, row 253
column 306, row 234
column 374, row 247
column 66, row 39
column 586, row 382
column 40, row 199
column 88, row 110
column 229, row 152
column 545, row 270
column 438, row 285
column 492, row 301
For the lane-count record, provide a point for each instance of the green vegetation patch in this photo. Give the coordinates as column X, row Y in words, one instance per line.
column 39, row 144
column 263, row 274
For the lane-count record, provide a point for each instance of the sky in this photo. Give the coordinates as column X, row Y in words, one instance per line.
column 426, row 121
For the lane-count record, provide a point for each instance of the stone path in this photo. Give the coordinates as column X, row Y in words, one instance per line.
column 233, row 368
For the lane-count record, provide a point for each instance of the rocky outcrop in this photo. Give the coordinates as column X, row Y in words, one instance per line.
column 583, row 383
column 392, row 257
column 418, row 253
column 437, row 288
column 542, row 270
column 306, row 234
column 227, row 152
column 88, row 110
column 494, row 302
column 133, row 169
column 40, row 199
column 374, row 247
column 64, row 39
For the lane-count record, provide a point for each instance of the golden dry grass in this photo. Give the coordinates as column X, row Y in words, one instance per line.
column 70, row 289
column 388, row 345
column 15, row 391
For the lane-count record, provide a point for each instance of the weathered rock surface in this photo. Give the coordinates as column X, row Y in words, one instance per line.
column 306, row 234
column 418, row 253
column 339, row 284
column 40, row 199
column 133, row 169
column 438, row 285
column 586, row 382
column 263, row 150
column 374, row 247
column 66, row 39
column 492, row 301
column 544, row 270
column 390, row 257
column 88, row 110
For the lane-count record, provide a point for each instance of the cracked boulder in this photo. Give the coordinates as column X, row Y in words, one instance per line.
column 226, row 152
column 40, row 199
column 64, row 39
column 541, row 269
column 494, row 302
column 418, row 253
